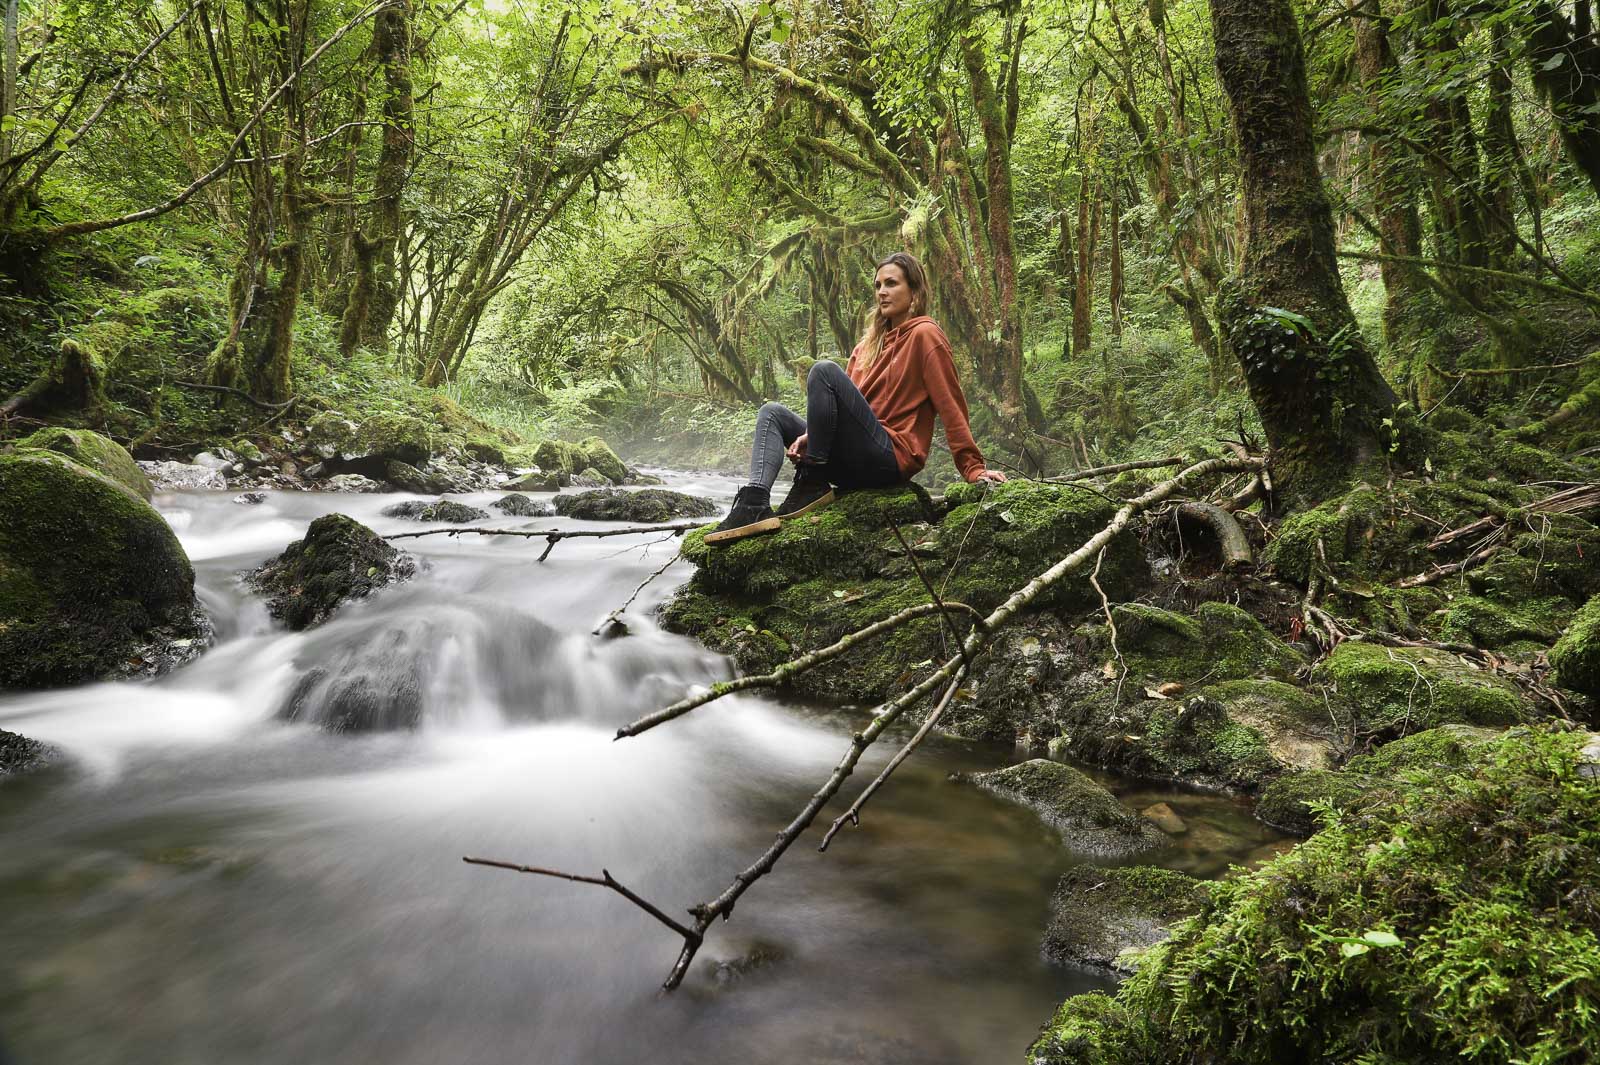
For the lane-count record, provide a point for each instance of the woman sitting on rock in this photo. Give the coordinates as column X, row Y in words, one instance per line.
column 868, row 425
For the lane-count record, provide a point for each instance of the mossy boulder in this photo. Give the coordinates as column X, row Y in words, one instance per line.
column 517, row 505
column 598, row 456
column 1099, row 917
column 559, row 456
column 1090, row 819
column 1471, row 619
column 1442, row 748
column 98, row 453
column 645, row 506
column 443, row 510
column 1456, row 921
column 1221, row 642
column 1294, row 724
column 823, row 575
column 1289, row 802
column 1576, row 656
column 1399, row 690
column 338, row 560
column 19, row 755
column 370, row 444
column 93, row 583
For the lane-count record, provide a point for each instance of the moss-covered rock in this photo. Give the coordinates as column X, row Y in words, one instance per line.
column 1221, row 642
column 1471, row 619
column 517, row 505
column 598, row 456
column 1455, row 921
column 19, row 755
column 1399, row 690
column 1289, row 802
column 371, row 444
column 338, row 560
column 1294, row 724
column 645, row 506
column 834, row 571
column 1576, row 656
column 445, row 510
column 1098, row 917
column 93, row 583
column 1436, row 749
column 1090, row 819
column 98, row 453
column 559, row 456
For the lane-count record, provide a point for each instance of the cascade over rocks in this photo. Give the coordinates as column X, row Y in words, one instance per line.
column 338, row 560
column 93, row 583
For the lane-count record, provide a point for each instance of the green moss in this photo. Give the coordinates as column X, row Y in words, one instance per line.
column 1221, row 642
column 1290, row 801
column 1564, row 550
column 1399, row 690
column 1089, row 817
column 597, row 455
column 1456, row 920
column 646, row 506
column 1486, row 623
column 1576, row 656
column 98, row 453
column 1445, row 747
column 394, row 436
column 1197, row 741
column 88, row 573
column 560, row 456
column 1101, row 916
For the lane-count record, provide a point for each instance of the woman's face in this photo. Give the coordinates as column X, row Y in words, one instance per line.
column 894, row 295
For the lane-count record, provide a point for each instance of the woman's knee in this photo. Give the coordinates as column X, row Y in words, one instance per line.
column 771, row 412
column 825, row 372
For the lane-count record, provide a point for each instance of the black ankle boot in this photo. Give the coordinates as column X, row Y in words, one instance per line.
column 810, row 491
column 751, row 514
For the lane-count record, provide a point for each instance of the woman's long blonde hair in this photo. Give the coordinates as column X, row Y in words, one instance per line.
column 871, row 345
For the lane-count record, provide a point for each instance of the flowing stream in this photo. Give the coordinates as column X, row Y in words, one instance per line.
column 205, row 884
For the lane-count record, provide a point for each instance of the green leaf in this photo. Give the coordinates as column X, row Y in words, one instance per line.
column 1353, row 950
column 1554, row 61
column 780, row 32
column 1379, row 938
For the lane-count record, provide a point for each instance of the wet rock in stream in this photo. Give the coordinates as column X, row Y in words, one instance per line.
column 338, row 560
column 1098, row 915
column 1091, row 820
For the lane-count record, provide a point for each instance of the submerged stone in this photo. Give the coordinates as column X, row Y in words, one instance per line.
column 1099, row 916
column 1090, row 819
column 338, row 560
column 93, row 582
column 645, row 506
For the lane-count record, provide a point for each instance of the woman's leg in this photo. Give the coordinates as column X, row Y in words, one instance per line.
column 776, row 428
column 845, row 437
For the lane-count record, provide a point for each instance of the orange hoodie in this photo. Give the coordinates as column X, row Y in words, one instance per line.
column 913, row 379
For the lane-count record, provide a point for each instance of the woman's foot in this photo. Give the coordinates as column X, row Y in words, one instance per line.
column 810, row 491
column 750, row 516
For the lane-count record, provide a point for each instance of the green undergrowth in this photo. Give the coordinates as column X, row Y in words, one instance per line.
column 1458, row 916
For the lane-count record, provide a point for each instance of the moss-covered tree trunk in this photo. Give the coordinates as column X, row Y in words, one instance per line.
column 1285, row 316
column 1411, row 308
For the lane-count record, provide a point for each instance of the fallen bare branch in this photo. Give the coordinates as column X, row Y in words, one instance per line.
column 551, row 536
column 605, row 879
column 615, row 617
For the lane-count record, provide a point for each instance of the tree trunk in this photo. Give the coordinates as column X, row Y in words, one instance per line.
column 1565, row 58
column 1285, row 316
column 391, row 38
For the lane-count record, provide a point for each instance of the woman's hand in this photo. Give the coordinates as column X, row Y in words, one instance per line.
column 797, row 450
column 992, row 476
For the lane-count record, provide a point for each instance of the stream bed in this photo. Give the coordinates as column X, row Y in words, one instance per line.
column 204, row 884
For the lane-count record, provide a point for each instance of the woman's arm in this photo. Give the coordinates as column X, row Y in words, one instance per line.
column 950, row 403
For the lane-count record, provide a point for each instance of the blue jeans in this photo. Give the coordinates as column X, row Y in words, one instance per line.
column 845, row 442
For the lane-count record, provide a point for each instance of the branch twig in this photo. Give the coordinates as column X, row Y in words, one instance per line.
column 605, row 879
column 551, row 536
